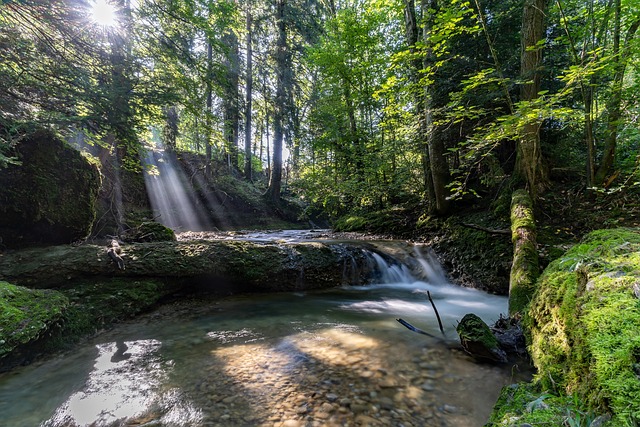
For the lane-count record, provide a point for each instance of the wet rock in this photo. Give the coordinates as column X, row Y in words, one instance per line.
column 478, row 340
column 600, row 420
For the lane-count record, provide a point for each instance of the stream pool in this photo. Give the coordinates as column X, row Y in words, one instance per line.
column 327, row 358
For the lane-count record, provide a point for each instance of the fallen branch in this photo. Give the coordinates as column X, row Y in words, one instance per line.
column 436, row 310
column 413, row 328
column 487, row 230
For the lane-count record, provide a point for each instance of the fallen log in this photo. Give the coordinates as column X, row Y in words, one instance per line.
column 265, row 266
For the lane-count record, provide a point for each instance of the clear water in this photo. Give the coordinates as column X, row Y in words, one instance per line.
column 335, row 357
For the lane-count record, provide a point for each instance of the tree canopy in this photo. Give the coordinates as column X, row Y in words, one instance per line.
column 355, row 105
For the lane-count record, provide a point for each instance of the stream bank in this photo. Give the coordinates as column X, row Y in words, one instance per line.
column 582, row 328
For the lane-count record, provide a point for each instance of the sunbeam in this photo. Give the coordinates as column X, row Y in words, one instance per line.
column 176, row 205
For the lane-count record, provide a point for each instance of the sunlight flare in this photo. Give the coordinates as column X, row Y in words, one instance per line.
column 104, row 13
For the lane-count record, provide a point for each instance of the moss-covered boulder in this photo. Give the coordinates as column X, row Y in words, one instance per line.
column 585, row 322
column 478, row 340
column 50, row 197
column 583, row 330
column 25, row 314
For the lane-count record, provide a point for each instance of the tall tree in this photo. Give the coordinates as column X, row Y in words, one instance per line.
column 529, row 161
column 282, row 61
column 249, row 98
column 231, row 97
column 434, row 100
column 620, row 56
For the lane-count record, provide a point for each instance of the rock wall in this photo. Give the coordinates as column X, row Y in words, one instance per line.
column 50, row 198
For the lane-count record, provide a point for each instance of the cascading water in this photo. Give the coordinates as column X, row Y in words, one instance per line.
column 403, row 291
column 335, row 357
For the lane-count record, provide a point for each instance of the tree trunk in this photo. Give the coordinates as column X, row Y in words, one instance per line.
column 620, row 56
column 247, row 129
column 438, row 165
column 231, row 109
column 529, row 163
column 170, row 130
column 524, row 269
column 275, row 181
column 209, row 112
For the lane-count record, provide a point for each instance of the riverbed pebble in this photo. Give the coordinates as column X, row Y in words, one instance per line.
column 331, row 377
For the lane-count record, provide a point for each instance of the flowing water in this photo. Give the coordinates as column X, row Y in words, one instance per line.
column 328, row 358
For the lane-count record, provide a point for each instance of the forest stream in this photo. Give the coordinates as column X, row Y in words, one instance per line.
column 334, row 357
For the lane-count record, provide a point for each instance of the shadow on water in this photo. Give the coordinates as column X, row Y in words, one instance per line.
column 334, row 357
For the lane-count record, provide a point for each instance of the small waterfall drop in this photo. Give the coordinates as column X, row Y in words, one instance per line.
column 400, row 288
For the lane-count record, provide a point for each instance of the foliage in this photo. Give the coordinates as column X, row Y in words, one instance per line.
column 521, row 404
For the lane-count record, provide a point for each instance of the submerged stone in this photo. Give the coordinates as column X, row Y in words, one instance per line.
column 478, row 340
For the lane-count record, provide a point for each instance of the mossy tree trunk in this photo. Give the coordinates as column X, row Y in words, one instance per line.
column 525, row 268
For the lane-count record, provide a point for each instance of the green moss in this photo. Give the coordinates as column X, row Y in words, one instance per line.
column 525, row 267
column 51, row 196
column 472, row 328
column 25, row 314
column 521, row 211
column 98, row 304
column 521, row 404
column 583, row 324
column 150, row 231
column 351, row 223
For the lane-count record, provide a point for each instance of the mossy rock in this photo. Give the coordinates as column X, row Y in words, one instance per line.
column 150, row 231
column 478, row 340
column 583, row 324
column 50, row 197
column 25, row 314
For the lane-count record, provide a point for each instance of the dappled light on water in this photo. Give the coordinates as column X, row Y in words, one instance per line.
column 124, row 384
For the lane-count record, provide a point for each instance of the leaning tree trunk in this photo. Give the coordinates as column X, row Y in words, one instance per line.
column 524, row 269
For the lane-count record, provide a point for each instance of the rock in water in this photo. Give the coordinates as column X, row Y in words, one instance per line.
column 478, row 340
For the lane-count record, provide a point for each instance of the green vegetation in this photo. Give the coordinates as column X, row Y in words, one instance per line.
column 582, row 326
column 403, row 118
column 520, row 404
column 100, row 303
column 67, row 315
